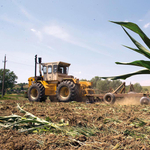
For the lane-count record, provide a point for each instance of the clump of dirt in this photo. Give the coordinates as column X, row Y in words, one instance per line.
column 124, row 125
column 11, row 140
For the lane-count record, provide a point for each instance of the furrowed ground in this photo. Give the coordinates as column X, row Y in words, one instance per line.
column 124, row 125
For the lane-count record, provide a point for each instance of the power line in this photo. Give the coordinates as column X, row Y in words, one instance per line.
column 21, row 63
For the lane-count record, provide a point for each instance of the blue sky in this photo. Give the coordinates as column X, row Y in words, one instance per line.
column 73, row 31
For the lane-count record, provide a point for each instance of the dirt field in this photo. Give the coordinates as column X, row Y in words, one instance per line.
column 97, row 126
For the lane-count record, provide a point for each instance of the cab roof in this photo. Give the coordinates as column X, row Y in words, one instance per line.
column 57, row 63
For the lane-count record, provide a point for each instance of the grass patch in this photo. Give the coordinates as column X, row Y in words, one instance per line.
column 13, row 97
column 146, row 87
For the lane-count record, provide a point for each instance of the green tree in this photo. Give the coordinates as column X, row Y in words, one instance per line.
column 137, row 87
column 21, row 85
column 145, row 90
column 95, row 81
column 115, row 84
column 10, row 79
column 83, row 80
column 104, row 85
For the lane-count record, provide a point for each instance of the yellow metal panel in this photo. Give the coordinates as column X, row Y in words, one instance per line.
column 50, row 89
column 30, row 81
column 85, row 83
column 85, row 87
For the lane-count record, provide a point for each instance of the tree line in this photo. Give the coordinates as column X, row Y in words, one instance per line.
column 100, row 85
column 104, row 85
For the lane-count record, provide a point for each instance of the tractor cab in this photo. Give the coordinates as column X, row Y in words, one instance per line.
column 55, row 71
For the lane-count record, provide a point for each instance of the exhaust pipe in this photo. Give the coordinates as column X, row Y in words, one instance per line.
column 35, row 67
column 40, row 60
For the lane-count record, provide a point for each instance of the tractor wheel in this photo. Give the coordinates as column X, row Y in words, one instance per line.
column 67, row 91
column 144, row 101
column 36, row 93
column 109, row 98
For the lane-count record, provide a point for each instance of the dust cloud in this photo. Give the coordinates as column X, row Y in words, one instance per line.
column 128, row 101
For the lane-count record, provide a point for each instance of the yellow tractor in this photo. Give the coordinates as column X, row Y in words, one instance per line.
column 55, row 83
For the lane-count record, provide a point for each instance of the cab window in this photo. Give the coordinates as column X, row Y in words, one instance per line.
column 44, row 69
column 63, row 69
column 49, row 69
column 55, row 68
column 60, row 69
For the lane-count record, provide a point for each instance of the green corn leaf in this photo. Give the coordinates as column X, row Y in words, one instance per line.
column 31, row 129
column 141, row 48
column 135, row 28
column 127, row 75
column 140, row 63
column 9, row 117
column 136, row 50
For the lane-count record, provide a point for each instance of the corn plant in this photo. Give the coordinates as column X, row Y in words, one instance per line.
column 28, row 122
column 140, row 49
column 31, row 123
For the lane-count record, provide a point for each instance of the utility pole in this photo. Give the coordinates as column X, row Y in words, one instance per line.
column 3, row 85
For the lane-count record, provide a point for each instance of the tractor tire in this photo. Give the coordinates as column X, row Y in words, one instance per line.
column 36, row 93
column 109, row 98
column 67, row 91
column 144, row 101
